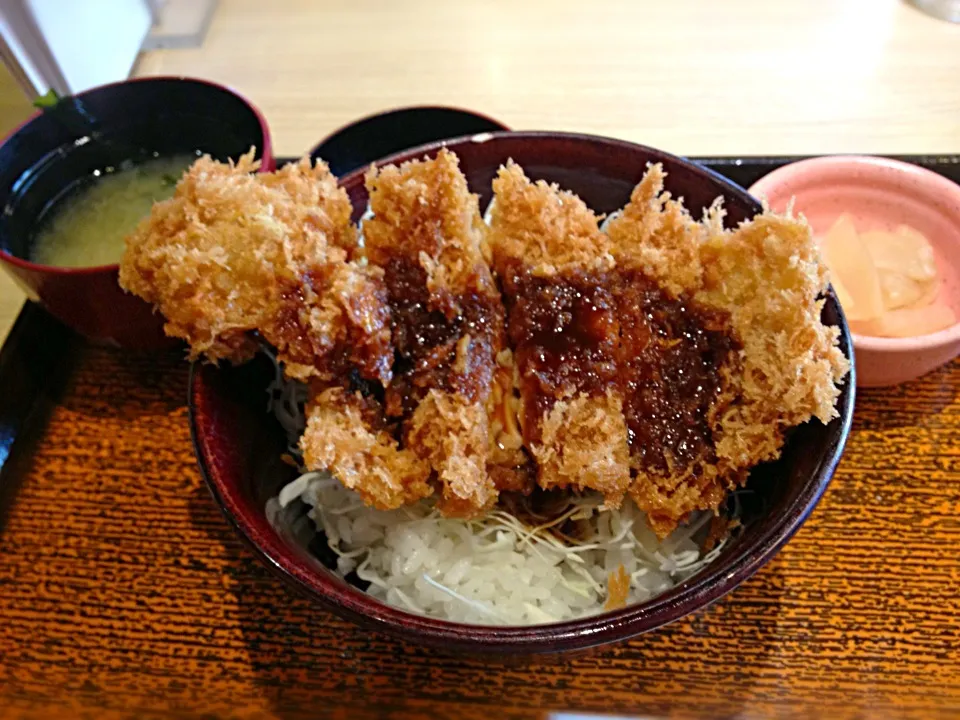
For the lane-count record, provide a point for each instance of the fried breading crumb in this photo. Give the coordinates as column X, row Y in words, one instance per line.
column 758, row 283
column 545, row 228
column 583, row 445
column 451, row 434
column 338, row 439
column 234, row 251
column 618, row 589
column 427, row 235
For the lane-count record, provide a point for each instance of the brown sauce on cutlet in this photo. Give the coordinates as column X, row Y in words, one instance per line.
column 593, row 332
column 425, row 340
column 672, row 350
column 520, row 479
column 286, row 326
column 365, row 351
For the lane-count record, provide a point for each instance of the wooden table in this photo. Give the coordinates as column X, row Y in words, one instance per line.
column 124, row 593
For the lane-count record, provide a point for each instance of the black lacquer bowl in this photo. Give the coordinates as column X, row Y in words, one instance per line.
column 239, row 444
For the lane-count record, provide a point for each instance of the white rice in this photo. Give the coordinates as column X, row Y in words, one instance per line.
column 489, row 571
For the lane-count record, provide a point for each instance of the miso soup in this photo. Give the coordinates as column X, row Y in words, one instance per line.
column 87, row 227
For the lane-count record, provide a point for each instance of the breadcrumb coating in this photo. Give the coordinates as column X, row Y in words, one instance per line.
column 767, row 274
column 450, row 433
column 234, row 251
column 427, row 235
column 659, row 359
column 537, row 233
column 340, row 437
column 547, row 229
column 583, row 445
column 424, row 214
column 704, row 344
column 655, row 233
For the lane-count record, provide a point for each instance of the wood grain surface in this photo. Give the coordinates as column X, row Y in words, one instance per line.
column 124, row 593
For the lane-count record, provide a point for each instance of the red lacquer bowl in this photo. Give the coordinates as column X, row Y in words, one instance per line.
column 47, row 155
column 238, row 444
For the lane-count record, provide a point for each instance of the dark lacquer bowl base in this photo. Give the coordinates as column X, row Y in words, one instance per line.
column 48, row 156
column 363, row 141
column 239, row 445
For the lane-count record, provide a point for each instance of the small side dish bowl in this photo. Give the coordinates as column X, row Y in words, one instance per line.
column 239, row 445
column 882, row 193
column 361, row 142
column 45, row 158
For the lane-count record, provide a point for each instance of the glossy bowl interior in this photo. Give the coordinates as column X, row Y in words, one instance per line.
column 880, row 194
column 362, row 142
column 51, row 154
column 238, row 444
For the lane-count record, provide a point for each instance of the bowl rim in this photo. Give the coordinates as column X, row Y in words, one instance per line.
column 693, row 594
column 313, row 152
column 266, row 151
column 533, row 135
column 874, row 164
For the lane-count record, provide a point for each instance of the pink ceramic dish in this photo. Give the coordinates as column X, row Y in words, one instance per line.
column 880, row 194
column 55, row 151
column 238, row 444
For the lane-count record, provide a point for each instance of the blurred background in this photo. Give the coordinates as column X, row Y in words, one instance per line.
column 690, row 76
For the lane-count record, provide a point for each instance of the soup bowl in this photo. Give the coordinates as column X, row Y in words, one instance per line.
column 361, row 142
column 239, row 445
column 54, row 152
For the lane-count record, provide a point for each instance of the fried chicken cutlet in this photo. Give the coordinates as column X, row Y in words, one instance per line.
column 427, row 235
column 546, row 245
column 655, row 357
column 651, row 357
column 236, row 251
column 766, row 277
column 348, row 435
